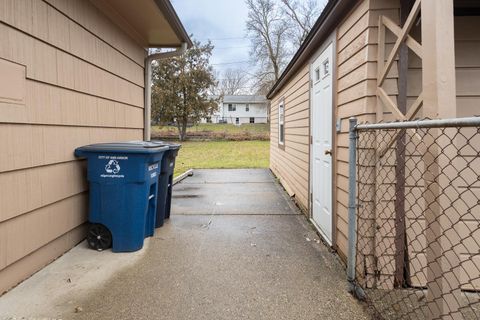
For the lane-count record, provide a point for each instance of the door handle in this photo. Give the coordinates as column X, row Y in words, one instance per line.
column 328, row 152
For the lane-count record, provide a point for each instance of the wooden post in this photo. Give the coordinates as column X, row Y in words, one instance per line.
column 401, row 254
column 439, row 90
column 379, row 118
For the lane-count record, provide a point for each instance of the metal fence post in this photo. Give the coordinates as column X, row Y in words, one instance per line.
column 436, row 276
column 352, row 194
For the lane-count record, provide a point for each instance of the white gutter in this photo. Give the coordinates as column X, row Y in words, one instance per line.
column 148, row 85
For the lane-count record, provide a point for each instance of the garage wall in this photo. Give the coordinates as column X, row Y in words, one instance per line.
column 68, row 77
column 357, row 38
column 290, row 163
column 467, row 49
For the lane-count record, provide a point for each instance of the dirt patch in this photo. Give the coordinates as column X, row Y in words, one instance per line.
column 412, row 304
column 214, row 135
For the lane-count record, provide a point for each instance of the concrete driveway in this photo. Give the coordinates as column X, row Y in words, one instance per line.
column 234, row 248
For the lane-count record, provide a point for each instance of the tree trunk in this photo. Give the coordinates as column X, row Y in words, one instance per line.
column 276, row 70
column 182, row 124
column 183, row 131
column 179, row 127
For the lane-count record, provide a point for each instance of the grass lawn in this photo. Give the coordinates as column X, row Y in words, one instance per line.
column 222, row 155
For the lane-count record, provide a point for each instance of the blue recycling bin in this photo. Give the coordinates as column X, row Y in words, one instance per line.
column 165, row 182
column 123, row 179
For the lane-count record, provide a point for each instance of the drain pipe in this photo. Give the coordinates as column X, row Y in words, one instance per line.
column 148, row 84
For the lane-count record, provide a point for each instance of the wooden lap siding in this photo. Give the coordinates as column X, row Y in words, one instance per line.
column 355, row 96
column 467, row 52
column 467, row 48
column 82, row 83
column 291, row 164
column 357, row 38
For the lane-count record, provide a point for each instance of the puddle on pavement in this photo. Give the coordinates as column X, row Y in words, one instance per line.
column 186, row 188
column 185, row 196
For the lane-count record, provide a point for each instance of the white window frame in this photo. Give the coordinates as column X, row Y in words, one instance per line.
column 232, row 107
column 281, row 123
column 247, row 108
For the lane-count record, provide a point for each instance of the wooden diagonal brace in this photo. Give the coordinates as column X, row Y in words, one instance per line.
column 415, row 108
column 411, row 113
column 410, row 41
column 401, row 38
column 387, row 101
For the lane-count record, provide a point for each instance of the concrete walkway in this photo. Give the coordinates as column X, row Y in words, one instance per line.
column 234, row 248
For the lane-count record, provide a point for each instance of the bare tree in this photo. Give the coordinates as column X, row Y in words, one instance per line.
column 233, row 81
column 301, row 15
column 215, row 89
column 268, row 33
column 276, row 30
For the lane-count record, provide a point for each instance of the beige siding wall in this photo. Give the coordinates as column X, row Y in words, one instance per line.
column 291, row 163
column 357, row 38
column 467, row 46
column 68, row 77
column 356, row 96
column 356, row 69
column 467, row 55
column 467, row 60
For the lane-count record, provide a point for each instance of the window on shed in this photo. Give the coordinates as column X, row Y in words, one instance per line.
column 232, row 107
column 281, row 123
column 326, row 68
column 317, row 74
column 247, row 107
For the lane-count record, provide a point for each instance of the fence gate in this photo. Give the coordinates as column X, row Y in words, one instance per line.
column 414, row 217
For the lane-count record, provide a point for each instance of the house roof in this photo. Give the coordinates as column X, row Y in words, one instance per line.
column 244, row 99
column 334, row 12
column 153, row 23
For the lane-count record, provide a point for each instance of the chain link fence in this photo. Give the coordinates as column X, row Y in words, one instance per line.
column 415, row 218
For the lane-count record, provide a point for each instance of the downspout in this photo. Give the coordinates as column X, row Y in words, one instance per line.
column 148, row 85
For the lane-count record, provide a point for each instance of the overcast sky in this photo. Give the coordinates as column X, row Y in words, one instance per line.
column 223, row 22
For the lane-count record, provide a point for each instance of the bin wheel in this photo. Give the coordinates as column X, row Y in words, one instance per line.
column 99, row 237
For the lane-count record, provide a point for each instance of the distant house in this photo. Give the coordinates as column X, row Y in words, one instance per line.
column 240, row 109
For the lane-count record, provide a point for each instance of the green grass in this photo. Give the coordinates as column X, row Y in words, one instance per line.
column 222, row 155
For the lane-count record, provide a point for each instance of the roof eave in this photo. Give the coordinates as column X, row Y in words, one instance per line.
column 171, row 15
column 327, row 22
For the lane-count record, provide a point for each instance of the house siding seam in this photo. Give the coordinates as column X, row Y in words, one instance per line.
column 78, row 80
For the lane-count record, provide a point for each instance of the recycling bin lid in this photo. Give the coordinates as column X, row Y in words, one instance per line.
column 125, row 147
column 171, row 145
